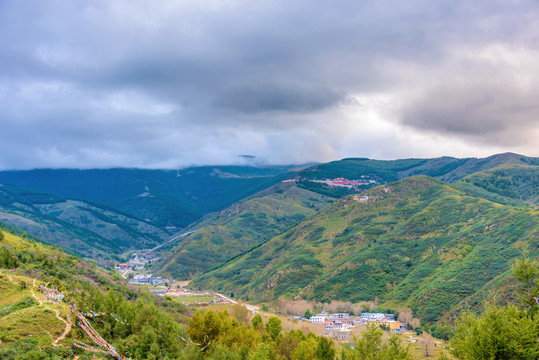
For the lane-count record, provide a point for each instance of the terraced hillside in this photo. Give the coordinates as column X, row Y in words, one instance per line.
column 417, row 242
column 227, row 233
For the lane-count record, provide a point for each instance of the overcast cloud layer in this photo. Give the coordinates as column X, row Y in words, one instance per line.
column 166, row 84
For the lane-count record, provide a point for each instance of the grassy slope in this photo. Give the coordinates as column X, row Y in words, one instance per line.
column 21, row 315
column 81, row 227
column 225, row 234
column 422, row 244
column 28, row 327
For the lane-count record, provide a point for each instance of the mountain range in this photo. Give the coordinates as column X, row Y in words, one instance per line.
column 436, row 235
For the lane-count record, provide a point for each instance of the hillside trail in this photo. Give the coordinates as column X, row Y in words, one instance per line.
column 34, row 294
column 57, row 314
column 66, row 331
column 11, row 279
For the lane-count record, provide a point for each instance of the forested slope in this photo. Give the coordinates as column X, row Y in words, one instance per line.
column 227, row 233
column 80, row 227
column 417, row 242
column 166, row 198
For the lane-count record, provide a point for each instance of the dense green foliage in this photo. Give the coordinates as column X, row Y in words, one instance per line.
column 506, row 185
column 150, row 321
column 225, row 234
column 370, row 346
column 83, row 228
column 164, row 197
column 416, row 242
column 503, row 332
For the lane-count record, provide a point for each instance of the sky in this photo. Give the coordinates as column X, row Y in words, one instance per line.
column 170, row 84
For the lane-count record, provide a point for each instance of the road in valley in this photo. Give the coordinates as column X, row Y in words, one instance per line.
column 171, row 240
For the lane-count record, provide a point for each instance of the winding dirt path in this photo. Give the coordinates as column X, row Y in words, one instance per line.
column 33, row 293
column 57, row 314
column 11, row 279
column 66, row 331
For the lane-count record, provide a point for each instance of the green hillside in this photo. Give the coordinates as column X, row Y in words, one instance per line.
column 166, row 198
column 444, row 168
column 509, row 184
column 87, row 229
column 227, row 233
column 32, row 328
column 417, row 242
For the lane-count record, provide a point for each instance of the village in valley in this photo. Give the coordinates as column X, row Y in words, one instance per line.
column 341, row 326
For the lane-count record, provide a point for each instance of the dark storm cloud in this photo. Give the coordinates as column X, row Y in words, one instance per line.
column 263, row 97
column 101, row 83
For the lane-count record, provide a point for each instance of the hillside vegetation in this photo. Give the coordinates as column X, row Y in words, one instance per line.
column 227, row 233
column 80, row 227
column 509, row 184
column 166, row 198
column 445, row 168
column 32, row 328
column 417, row 242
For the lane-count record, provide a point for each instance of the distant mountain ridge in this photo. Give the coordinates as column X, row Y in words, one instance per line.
column 109, row 211
column 80, row 227
column 445, row 168
column 166, row 198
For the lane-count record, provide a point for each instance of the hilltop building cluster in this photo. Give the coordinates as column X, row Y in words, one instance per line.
column 354, row 184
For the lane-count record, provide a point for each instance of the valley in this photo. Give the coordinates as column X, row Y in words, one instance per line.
column 420, row 241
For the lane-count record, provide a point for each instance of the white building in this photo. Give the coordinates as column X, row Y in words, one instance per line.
column 339, row 316
column 318, row 319
column 372, row 316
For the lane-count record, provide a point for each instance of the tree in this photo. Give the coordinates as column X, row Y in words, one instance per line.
column 393, row 349
column 263, row 351
column 526, row 271
column 427, row 342
column 324, row 349
column 499, row 333
column 241, row 314
column 503, row 332
column 305, row 350
column 257, row 322
column 274, row 327
column 370, row 343
column 308, row 314
column 1, row 235
column 371, row 347
column 289, row 342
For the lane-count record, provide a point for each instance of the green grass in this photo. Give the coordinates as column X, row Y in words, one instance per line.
column 189, row 299
column 39, row 323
